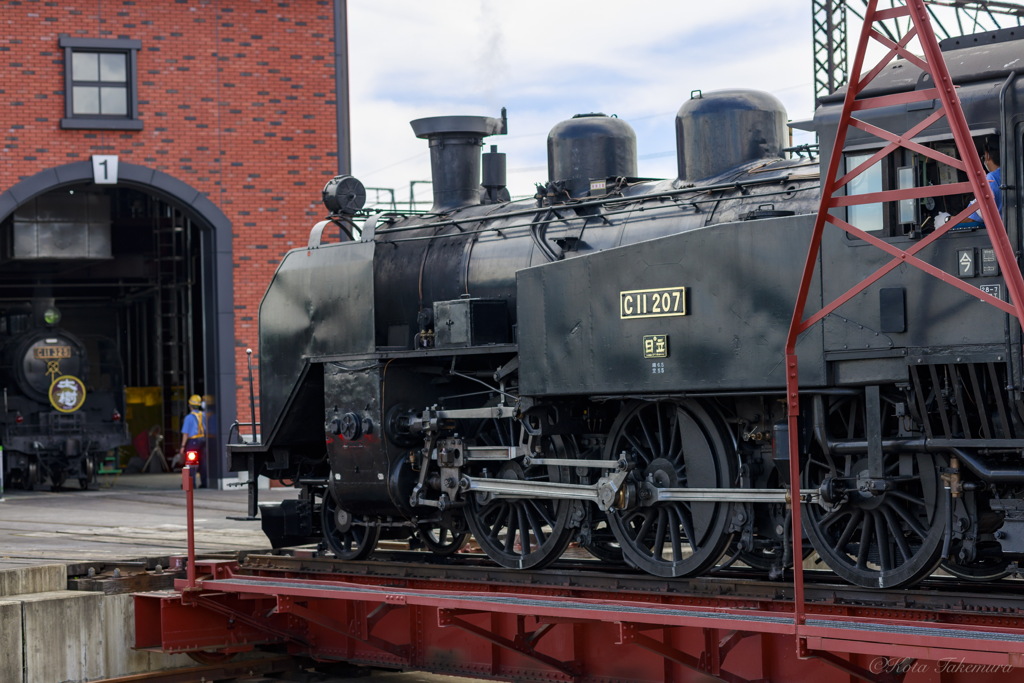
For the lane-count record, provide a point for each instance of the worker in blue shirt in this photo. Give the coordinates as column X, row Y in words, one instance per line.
column 193, row 434
column 990, row 159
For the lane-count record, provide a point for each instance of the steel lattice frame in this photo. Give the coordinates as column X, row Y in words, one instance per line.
column 915, row 17
column 950, row 18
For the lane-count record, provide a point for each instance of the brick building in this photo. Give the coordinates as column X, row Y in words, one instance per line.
column 158, row 159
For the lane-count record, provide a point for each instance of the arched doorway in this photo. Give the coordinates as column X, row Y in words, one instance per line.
column 145, row 261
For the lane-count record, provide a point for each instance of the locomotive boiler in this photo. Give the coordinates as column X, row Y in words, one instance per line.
column 63, row 400
column 605, row 361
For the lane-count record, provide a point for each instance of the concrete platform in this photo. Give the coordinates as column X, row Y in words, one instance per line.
column 50, row 634
column 132, row 516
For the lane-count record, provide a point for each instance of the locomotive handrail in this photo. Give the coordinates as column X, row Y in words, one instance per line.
column 235, row 429
column 606, row 201
column 636, row 199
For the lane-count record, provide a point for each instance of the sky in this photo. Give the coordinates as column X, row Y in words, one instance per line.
column 546, row 61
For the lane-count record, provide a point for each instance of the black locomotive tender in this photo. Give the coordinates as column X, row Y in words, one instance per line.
column 604, row 362
column 63, row 399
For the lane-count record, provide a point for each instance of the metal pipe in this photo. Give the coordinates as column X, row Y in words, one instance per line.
column 252, row 398
column 984, row 471
column 1003, row 144
column 186, row 484
column 532, row 211
column 341, row 86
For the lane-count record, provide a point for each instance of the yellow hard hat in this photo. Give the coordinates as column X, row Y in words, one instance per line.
column 195, row 400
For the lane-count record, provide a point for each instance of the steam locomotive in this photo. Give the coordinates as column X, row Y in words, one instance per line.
column 604, row 361
column 61, row 412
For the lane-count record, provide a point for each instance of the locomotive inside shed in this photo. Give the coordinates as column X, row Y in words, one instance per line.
column 124, row 270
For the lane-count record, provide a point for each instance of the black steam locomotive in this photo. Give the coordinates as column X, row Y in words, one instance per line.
column 604, row 362
column 61, row 412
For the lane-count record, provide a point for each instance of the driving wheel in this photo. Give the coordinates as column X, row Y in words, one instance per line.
column 676, row 445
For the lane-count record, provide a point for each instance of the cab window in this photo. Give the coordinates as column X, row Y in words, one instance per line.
column 867, row 217
column 903, row 170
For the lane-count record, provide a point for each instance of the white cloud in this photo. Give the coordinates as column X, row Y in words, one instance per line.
column 547, row 61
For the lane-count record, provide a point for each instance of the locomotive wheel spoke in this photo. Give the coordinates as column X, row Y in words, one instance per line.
column 677, row 547
column 865, row 544
column 686, row 520
column 897, row 534
column 638, row 449
column 659, row 536
column 534, row 523
column 913, row 500
column 884, row 541
column 522, row 533
column 645, row 528
column 536, row 510
column 672, row 444
column 848, row 531
column 910, row 523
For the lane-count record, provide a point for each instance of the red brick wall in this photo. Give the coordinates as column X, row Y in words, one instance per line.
column 236, row 98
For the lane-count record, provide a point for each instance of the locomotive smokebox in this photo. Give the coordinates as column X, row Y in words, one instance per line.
column 455, row 143
column 590, row 147
column 719, row 131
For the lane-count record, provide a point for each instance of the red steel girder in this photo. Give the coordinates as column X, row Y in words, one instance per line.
column 565, row 633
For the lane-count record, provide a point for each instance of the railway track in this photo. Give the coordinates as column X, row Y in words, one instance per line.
column 587, row 577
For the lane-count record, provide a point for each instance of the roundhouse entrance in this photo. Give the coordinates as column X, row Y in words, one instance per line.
column 134, row 262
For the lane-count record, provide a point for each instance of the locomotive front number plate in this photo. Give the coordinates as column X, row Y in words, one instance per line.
column 51, row 352
column 652, row 303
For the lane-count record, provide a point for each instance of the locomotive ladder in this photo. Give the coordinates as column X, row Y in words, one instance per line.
column 833, row 196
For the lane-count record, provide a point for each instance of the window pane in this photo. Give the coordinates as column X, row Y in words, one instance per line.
column 86, row 100
column 113, row 67
column 867, row 217
column 85, row 66
column 905, row 180
column 113, row 101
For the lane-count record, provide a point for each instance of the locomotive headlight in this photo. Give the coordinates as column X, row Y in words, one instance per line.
column 51, row 316
column 344, row 195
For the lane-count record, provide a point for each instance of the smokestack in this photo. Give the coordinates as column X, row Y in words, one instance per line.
column 455, row 143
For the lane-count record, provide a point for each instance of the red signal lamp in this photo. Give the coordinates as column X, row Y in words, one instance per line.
column 19, row 419
column 116, row 417
column 191, row 457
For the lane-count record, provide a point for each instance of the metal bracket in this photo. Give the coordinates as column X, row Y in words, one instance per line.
column 209, row 603
column 287, row 605
column 523, row 643
column 709, row 663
